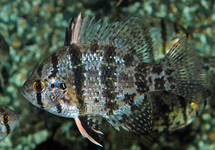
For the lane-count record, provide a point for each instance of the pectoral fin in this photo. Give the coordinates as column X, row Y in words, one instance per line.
column 89, row 129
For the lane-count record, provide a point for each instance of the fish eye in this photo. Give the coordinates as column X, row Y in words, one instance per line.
column 5, row 119
column 39, row 86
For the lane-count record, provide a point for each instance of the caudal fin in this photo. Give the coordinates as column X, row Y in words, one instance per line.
column 185, row 72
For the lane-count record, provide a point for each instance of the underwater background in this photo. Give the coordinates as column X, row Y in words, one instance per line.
column 36, row 28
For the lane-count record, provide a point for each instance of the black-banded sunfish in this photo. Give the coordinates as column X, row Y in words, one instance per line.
column 107, row 71
column 9, row 120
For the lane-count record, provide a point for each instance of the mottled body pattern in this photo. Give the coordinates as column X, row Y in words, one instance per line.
column 9, row 120
column 108, row 71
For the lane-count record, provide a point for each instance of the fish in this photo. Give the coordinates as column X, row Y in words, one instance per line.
column 107, row 71
column 9, row 120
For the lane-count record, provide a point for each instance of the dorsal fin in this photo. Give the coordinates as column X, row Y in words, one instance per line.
column 68, row 33
column 131, row 35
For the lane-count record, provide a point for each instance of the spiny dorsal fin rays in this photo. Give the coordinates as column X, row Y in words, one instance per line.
column 67, row 38
column 84, row 130
column 131, row 35
column 76, row 30
column 188, row 73
column 68, row 32
column 88, row 25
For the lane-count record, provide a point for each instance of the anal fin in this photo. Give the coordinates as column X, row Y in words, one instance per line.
column 89, row 129
column 138, row 119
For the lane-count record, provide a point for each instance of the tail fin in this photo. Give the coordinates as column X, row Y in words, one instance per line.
column 185, row 72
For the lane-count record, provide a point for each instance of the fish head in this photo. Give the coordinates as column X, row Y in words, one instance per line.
column 47, row 88
column 8, row 121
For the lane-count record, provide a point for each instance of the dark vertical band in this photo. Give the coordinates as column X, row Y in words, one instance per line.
column 78, row 71
column 7, row 127
column 142, row 71
column 108, row 78
column 54, row 61
column 39, row 101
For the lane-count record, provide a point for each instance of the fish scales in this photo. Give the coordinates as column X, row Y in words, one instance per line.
column 93, row 74
column 107, row 71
